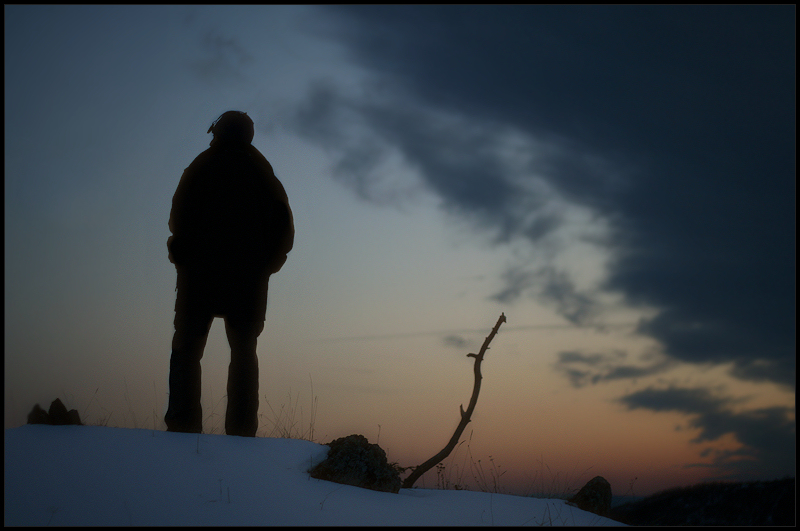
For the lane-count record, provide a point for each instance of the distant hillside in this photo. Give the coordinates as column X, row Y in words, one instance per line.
column 744, row 504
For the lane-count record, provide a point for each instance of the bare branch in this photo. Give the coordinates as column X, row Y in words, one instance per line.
column 465, row 415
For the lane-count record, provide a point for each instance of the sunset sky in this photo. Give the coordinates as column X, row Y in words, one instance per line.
column 619, row 181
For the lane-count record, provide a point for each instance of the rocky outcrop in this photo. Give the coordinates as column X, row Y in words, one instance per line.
column 56, row 416
column 594, row 497
column 352, row 460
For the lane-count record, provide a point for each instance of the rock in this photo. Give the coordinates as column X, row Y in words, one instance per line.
column 74, row 418
column 38, row 416
column 352, row 460
column 58, row 413
column 56, row 416
column 594, row 497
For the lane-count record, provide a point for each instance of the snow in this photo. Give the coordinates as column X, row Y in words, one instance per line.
column 95, row 475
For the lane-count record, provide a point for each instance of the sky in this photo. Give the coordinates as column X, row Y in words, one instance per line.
column 618, row 181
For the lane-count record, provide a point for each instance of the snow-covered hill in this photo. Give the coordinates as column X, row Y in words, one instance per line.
column 91, row 475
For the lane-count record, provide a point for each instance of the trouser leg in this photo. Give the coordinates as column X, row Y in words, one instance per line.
column 185, row 413
column 241, row 416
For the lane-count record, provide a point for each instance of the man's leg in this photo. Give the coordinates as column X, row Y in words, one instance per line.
column 185, row 413
column 241, row 416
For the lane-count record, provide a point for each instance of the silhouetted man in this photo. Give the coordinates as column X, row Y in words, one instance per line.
column 231, row 229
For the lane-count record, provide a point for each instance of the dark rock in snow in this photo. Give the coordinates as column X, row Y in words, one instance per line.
column 594, row 497
column 58, row 413
column 352, row 460
column 57, row 416
column 38, row 416
column 74, row 418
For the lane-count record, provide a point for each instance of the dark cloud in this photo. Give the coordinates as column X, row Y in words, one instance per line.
column 456, row 341
column 583, row 369
column 576, row 306
column 673, row 123
column 516, row 281
column 552, row 286
column 690, row 401
column 768, row 435
column 459, row 161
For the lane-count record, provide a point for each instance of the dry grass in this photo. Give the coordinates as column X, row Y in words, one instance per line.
column 291, row 421
column 464, row 472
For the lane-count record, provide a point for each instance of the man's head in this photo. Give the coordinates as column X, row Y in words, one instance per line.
column 232, row 126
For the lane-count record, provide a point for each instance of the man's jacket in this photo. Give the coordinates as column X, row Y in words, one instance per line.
column 230, row 215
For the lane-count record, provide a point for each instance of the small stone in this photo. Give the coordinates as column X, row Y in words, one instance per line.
column 58, row 413
column 74, row 418
column 38, row 416
column 594, row 497
column 56, row 416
